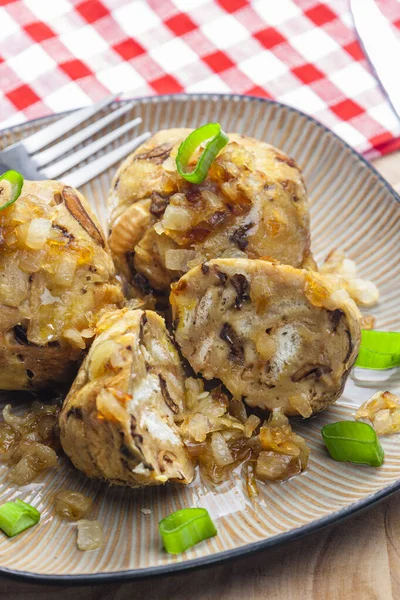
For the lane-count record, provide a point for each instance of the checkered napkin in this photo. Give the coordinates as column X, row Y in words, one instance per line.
column 60, row 54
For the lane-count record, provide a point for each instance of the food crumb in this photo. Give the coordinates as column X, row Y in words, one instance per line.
column 383, row 412
column 362, row 291
column 367, row 322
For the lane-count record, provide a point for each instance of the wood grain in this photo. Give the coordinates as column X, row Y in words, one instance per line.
column 358, row 559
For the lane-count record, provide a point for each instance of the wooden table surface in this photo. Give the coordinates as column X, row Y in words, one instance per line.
column 358, row 559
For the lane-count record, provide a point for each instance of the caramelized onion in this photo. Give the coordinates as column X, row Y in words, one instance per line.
column 272, row 466
column 71, row 505
column 17, row 423
column 383, row 412
column 35, row 458
column 220, row 436
column 28, row 442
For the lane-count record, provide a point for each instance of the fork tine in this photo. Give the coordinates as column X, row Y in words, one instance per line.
column 65, row 164
column 45, row 136
column 98, row 166
column 70, row 142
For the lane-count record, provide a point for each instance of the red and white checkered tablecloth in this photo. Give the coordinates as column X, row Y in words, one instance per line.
column 60, row 54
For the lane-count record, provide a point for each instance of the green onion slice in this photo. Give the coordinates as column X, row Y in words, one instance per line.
column 17, row 516
column 379, row 349
column 216, row 139
column 185, row 528
column 16, row 182
column 352, row 441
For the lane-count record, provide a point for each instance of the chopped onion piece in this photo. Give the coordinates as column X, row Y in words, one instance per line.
column 363, row 292
column 272, row 466
column 30, row 261
column 213, row 200
column 177, row 260
column 88, row 333
column 44, row 194
column 38, row 232
column 383, row 411
column 301, row 404
column 48, row 298
column 233, row 253
column 158, row 228
column 28, row 442
column 65, row 271
column 23, row 472
column 90, row 535
column 367, row 321
column 72, row 506
column 196, row 428
column 337, row 297
column 35, row 458
column 220, row 449
column 74, row 338
column 237, row 409
column 117, row 360
column 100, row 358
column 250, row 425
column 169, row 165
column 14, row 420
column 177, row 218
column 196, row 260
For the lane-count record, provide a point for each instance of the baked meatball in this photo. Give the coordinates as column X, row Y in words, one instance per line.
column 117, row 422
column 56, row 275
column 253, row 203
column 277, row 336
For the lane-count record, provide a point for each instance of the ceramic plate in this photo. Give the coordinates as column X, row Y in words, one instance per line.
column 352, row 208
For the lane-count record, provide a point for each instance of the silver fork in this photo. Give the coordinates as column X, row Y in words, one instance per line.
column 25, row 157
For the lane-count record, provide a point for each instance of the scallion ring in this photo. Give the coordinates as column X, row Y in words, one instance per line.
column 17, row 516
column 185, row 528
column 11, row 189
column 352, row 441
column 216, row 139
column 379, row 350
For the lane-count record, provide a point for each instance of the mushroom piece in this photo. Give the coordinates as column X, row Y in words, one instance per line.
column 252, row 203
column 118, row 420
column 56, row 276
column 276, row 336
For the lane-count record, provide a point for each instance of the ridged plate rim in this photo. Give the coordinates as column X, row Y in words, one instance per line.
column 240, row 552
